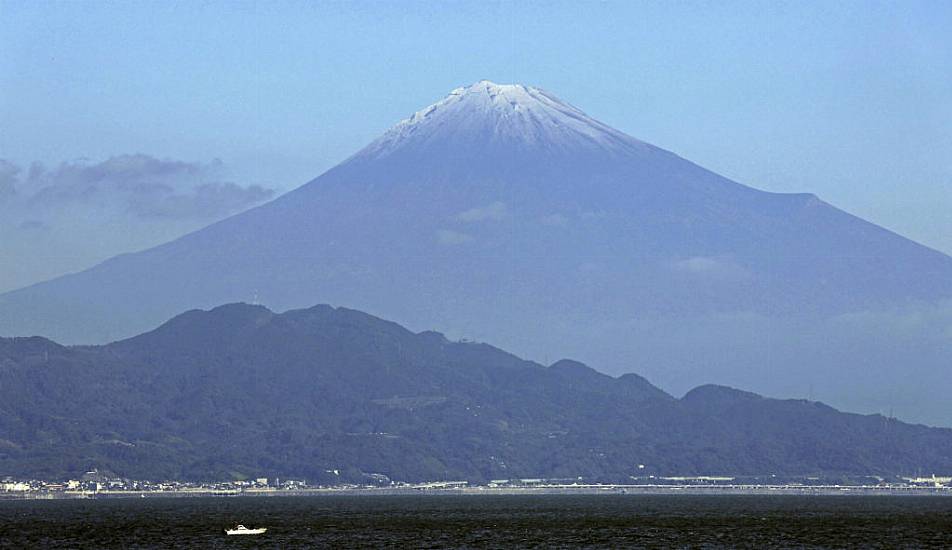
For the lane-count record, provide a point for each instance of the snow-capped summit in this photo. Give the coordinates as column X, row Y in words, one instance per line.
column 509, row 117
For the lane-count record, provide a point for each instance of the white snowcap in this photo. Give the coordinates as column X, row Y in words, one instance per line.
column 501, row 115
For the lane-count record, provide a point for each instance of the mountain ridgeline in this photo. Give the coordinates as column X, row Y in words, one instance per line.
column 241, row 391
column 503, row 214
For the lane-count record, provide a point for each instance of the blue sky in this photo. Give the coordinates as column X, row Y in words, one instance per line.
column 848, row 100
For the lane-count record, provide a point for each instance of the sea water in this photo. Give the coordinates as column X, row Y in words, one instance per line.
column 529, row 521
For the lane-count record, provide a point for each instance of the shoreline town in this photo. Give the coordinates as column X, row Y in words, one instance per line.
column 96, row 486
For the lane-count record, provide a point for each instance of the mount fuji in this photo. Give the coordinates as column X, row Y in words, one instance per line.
column 504, row 214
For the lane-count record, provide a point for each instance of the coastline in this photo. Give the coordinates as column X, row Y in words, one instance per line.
column 686, row 490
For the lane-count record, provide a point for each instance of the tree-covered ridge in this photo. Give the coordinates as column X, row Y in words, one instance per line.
column 242, row 391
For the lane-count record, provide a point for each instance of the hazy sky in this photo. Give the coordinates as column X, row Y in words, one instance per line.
column 228, row 103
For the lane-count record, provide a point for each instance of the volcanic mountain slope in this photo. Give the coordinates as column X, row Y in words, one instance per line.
column 504, row 214
column 241, row 391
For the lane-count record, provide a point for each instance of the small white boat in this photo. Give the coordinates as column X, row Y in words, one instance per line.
column 242, row 530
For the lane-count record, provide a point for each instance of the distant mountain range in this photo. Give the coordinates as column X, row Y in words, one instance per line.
column 504, row 214
column 241, row 391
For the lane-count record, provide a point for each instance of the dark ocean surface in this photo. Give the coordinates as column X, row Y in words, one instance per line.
column 483, row 522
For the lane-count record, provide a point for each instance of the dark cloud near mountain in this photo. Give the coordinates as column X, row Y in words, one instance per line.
column 69, row 216
column 138, row 184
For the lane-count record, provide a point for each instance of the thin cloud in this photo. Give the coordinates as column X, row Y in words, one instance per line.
column 33, row 225
column 712, row 267
column 135, row 184
column 492, row 212
column 9, row 174
column 555, row 220
column 451, row 238
column 205, row 200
